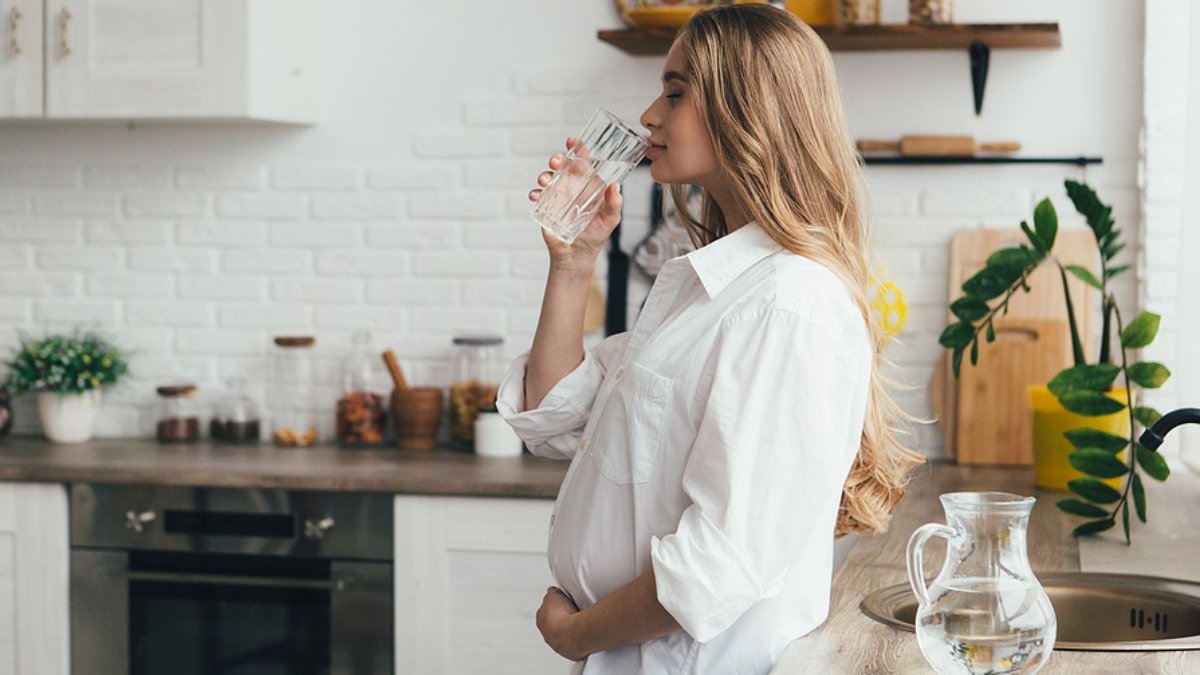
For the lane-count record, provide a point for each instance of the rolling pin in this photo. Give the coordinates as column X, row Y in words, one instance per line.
column 932, row 146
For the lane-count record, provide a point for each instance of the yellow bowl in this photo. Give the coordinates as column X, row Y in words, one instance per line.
column 661, row 17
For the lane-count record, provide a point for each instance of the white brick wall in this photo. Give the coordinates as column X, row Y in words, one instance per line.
column 405, row 210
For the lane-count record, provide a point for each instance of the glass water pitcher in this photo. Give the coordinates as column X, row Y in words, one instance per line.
column 985, row 612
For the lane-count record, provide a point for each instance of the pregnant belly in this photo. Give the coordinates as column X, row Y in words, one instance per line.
column 594, row 545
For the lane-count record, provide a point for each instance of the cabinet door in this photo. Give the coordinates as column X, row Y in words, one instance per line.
column 20, row 58
column 470, row 575
column 34, row 555
column 135, row 59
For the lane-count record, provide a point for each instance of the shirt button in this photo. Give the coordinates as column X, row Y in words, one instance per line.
column 583, row 444
column 551, row 520
column 620, row 372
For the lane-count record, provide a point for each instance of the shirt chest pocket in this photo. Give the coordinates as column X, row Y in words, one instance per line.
column 628, row 435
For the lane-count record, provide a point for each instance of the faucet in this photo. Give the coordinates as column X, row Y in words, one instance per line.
column 1153, row 437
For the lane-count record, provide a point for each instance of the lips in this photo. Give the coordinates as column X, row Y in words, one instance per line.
column 655, row 150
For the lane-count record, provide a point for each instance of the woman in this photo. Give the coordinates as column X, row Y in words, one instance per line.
column 718, row 448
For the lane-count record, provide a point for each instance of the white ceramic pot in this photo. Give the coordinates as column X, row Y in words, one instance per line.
column 68, row 418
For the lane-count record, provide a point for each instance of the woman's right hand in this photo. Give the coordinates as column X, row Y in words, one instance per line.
column 579, row 257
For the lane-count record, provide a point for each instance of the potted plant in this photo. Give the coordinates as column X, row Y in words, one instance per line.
column 1086, row 414
column 67, row 372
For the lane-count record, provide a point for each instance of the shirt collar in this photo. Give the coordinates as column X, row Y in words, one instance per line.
column 721, row 261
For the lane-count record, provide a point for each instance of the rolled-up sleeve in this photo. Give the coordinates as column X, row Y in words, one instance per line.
column 766, row 471
column 554, row 427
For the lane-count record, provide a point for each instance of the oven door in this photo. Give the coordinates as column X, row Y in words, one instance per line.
column 152, row 612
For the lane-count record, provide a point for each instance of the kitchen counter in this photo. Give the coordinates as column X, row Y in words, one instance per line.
column 146, row 462
column 850, row 642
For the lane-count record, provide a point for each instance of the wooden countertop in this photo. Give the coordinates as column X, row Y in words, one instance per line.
column 146, row 462
column 849, row 642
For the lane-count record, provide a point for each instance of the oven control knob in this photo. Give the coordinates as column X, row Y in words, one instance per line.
column 316, row 529
column 137, row 521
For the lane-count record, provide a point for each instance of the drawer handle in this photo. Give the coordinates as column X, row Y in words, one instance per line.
column 64, row 22
column 14, row 19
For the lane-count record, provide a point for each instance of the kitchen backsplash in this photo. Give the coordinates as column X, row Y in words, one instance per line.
column 194, row 245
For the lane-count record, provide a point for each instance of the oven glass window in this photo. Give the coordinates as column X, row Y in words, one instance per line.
column 204, row 614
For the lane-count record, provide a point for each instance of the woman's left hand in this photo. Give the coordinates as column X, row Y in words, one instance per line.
column 555, row 620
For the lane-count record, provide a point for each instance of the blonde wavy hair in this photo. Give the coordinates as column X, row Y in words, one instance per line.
column 765, row 83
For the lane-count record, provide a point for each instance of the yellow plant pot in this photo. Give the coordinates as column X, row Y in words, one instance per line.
column 1051, row 468
column 814, row 12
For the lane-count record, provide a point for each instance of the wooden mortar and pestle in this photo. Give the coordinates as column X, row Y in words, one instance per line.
column 417, row 411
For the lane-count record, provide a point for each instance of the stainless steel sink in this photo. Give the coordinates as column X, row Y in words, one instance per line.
column 1096, row 612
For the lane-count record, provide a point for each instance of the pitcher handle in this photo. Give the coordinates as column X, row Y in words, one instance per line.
column 916, row 546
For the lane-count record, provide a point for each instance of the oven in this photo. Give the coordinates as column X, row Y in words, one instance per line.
column 220, row 581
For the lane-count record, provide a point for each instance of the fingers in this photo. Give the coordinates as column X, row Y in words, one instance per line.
column 555, row 161
column 544, row 178
column 535, row 194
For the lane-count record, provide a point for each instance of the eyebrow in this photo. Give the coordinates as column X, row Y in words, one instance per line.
column 673, row 75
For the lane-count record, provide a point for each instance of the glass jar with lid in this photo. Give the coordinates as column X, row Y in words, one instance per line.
column 477, row 370
column 293, row 403
column 178, row 421
column 236, row 417
column 361, row 411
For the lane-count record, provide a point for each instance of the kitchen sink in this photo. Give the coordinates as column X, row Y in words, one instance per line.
column 1096, row 612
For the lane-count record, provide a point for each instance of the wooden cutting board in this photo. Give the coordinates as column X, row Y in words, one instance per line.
column 969, row 249
column 993, row 406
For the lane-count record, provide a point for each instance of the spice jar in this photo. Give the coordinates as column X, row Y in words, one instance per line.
column 236, row 417
column 476, row 379
column 361, row 411
column 930, row 11
column 294, row 406
column 177, row 418
column 858, row 12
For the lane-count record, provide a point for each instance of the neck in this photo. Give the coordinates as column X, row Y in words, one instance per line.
column 731, row 209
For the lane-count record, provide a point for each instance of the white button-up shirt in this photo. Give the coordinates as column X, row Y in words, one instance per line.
column 709, row 444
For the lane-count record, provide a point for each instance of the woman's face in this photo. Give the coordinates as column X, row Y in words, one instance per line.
column 680, row 151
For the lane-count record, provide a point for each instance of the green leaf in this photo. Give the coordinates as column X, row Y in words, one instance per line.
column 1141, row 331
column 992, row 281
column 974, row 352
column 1096, row 377
column 969, row 309
column 1094, row 526
column 1038, row 244
column 1110, row 251
column 1125, row 520
column 1094, row 438
column 956, row 335
column 1097, row 462
column 1045, row 222
column 1093, row 490
column 1081, row 508
column 1017, row 256
column 1139, row 497
column 1152, row 463
column 991, row 332
column 956, row 361
column 1114, row 271
column 1085, row 275
column 1149, row 374
column 1146, row 415
column 1090, row 403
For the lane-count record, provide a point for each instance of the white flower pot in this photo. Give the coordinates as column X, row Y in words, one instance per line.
column 68, row 418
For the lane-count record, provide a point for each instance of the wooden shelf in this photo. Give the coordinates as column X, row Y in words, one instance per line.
column 977, row 38
column 1076, row 161
column 650, row 41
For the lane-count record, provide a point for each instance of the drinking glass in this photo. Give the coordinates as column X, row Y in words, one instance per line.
column 604, row 154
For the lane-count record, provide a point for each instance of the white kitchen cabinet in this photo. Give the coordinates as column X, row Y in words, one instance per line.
column 34, row 554
column 470, row 575
column 21, row 58
column 181, row 59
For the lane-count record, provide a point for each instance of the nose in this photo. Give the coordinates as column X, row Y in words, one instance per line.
column 650, row 118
